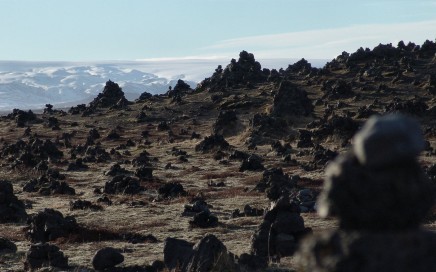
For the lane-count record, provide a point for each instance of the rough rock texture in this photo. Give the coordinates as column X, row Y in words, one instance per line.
column 244, row 72
column 369, row 252
column 111, row 96
column 49, row 224
column 225, row 123
column 48, row 186
column 280, row 232
column 44, row 255
column 380, row 195
column 388, row 140
column 209, row 254
column 11, row 209
column 107, row 258
column 291, row 101
column 275, row 183
column 211, row 143
column 123, row 185
column 7, row 246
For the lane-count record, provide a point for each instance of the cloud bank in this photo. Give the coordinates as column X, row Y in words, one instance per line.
column 327, row 43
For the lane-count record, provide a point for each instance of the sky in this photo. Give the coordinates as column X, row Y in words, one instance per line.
column 93, row 30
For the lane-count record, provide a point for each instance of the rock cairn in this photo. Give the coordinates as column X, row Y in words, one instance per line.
column 380, row 195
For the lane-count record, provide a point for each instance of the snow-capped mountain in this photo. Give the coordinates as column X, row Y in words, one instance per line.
column 31, row 85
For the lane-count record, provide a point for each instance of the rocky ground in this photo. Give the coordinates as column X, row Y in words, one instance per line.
column 196, row 161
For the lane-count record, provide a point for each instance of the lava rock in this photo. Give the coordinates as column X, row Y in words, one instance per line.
column 204, row 219
column 107, row 258
column 123, row 185
column 368, row 252
column 211, row 254
column 11, row 208
column 44, row 255
column 388, row 140
column 109, row 97
column 48, row 225
column 225, row 123
column 177, row 253
column 252, row 163
column 211, row 143
column 84, row 205
column 171, row 190
column 396, row 197
column 291, row 101
column 48, row 186
column 7, row 246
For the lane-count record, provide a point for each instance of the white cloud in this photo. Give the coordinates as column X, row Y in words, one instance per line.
column 326, row 43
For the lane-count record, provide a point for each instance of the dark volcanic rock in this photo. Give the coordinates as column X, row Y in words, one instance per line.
column 240, row 73
column 280, row 232
column 107, row 258
column 211, row 143
column 123, row 185
column 49, row 225
column 369, row 252
column 44, row 255
column 252, row 163
column 398, row 137
column 276, row 183
column 84, row 205
column 110, row 97
column 204, row 219
column 116, row 170
column 11, row 209
column 337, row 89
column 179, row 90
column 225, row 123
column 171, row 190
column 177, row 253
column 209, row 254
column 144, row 172
column 291, row 101
column 22, row 118
column 396, row 197
column 7, row 246
column 48, row 186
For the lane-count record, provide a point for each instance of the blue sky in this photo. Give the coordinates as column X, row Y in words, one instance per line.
column 90, row 30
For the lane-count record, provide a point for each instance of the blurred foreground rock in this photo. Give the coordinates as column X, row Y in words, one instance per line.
column 380, row 195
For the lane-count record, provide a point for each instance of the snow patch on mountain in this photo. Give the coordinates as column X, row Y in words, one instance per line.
column 31, row 85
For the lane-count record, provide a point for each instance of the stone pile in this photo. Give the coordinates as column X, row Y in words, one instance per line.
column 291, row 101
column 380, row 195
column 241, row 73
column 280, row 232
column 111, row 96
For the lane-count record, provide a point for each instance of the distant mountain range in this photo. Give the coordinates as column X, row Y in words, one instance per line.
column 31, row 85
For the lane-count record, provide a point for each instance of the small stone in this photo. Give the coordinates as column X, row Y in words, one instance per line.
column 107, row 257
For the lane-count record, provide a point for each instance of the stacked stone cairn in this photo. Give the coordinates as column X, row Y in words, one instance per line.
column 380, row 195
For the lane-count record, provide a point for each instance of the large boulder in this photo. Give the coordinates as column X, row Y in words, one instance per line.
column 107, row 258
column 291, row 101
column 44, row 255
column 49, row 225
column 209, row 254
column 11, row 208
